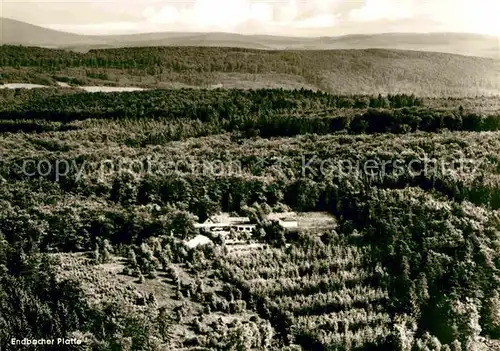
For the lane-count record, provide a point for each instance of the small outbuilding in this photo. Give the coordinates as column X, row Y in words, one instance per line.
column 198, row 241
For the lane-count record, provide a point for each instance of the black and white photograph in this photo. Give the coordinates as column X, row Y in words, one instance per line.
column 249, row 175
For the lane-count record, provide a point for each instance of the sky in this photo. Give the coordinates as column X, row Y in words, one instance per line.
column 278, row 17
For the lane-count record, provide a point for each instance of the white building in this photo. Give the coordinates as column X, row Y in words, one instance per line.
column 224, row 223
column 197, row 241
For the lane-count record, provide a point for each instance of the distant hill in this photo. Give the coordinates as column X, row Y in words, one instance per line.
column 453, row 43
column 20, row 33
column 337, row 71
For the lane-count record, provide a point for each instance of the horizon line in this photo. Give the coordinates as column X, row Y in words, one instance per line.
column 257, row 34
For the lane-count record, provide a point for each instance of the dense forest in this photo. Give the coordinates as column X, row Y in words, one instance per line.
column 93, row 222
column 264, row 113
column 335, row 71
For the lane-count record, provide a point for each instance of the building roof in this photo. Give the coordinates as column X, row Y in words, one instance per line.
column 283, row 216
column 225, row 218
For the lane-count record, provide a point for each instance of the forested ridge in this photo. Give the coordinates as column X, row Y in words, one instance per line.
column 334, row 71
column 98, row 254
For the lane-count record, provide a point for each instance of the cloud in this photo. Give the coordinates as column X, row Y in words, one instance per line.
column 319, row 21
column 231, row 14
column 375, row 10
column 261, row 12
column 290, row 17
column 167, row 14
column 480, row 16
column 214, row 13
